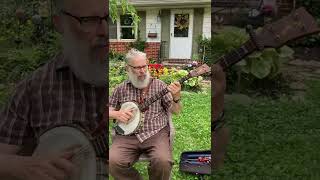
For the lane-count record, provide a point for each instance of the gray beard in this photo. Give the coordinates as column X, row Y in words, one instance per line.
column 138, row 83
column 85, row 67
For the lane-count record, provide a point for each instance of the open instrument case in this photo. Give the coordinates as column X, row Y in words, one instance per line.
column 196, row 162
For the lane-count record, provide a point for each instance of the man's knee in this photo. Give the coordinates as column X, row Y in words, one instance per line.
column 163, row 162
column 116, row 160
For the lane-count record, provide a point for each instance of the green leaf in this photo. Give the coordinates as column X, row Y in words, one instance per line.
column 286, row 52
column 260, row 68
column 255, row 55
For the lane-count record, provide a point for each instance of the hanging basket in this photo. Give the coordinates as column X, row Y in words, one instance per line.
column 152, row 35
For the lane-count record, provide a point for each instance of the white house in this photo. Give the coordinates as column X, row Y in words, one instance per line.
column 170, row 27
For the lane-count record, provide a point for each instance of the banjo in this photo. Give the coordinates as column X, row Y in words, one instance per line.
column 298, row 24
column 90, row 158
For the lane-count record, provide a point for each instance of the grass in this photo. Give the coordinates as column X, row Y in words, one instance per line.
column 192, row 131
column 274, row 139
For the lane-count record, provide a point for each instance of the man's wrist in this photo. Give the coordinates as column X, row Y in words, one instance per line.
column 176, row 100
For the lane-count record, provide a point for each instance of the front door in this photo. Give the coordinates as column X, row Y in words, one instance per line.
column 181, row 25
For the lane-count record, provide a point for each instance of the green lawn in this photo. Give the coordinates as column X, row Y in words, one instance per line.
column 274, row 139
column 192, row 131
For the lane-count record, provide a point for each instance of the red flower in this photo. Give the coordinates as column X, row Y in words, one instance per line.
column 156, row 66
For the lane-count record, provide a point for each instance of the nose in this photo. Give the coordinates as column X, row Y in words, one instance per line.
column 142, row 71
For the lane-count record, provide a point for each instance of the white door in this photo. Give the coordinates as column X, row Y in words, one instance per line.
column 181, row 25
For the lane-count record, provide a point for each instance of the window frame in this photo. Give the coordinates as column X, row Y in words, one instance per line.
column 118, row 24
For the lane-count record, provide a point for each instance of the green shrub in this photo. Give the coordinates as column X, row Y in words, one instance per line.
column 117, row 73
column 264, row 66
column 116, row 56
column 171, row 75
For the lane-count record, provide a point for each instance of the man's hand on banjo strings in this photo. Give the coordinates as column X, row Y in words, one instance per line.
column 122, row 115
column 175, row 89
column 51, row 167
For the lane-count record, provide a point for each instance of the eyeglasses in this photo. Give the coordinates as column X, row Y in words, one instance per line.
column 88, row 23
column 139, row 67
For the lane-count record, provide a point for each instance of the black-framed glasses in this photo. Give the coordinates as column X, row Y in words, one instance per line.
column 88, row 23
column 138, row 67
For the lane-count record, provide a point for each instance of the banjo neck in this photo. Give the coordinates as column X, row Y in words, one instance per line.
column 236, row 55
column 225, row 62
column 144, row 106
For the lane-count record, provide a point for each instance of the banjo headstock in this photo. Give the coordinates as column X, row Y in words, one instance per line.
column 298, row 24
column 199, row 71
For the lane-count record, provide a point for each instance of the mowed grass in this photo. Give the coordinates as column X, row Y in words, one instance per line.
column 192, row 131
column 274, row 139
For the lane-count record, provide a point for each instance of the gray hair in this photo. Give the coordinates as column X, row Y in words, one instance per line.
column 134, row 53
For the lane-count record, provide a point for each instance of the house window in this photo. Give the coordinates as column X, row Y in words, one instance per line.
column 127, row 29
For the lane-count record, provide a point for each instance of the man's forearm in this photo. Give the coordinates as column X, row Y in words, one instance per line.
column 218, row 104
column 220, row 136
column 112, row 113
column 176, row 107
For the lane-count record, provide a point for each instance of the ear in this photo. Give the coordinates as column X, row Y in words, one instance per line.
column 58, row 24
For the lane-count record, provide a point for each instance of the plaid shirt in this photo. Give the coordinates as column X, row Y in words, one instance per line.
column 156, row 117
column 50, row 96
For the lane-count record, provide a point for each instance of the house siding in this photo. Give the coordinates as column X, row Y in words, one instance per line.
column 165, row 32
column 197, row 29
column 142, row 26
column 206, row 30
column 153, row 25
column 167, row 2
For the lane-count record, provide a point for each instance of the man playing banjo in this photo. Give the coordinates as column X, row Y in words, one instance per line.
column 152, row 137
column 67, row 90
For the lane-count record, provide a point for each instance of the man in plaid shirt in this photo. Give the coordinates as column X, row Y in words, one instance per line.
column 153, row 137
column 67, row 90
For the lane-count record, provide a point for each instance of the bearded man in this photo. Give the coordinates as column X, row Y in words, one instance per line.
column 66, row 90
column 153, row 137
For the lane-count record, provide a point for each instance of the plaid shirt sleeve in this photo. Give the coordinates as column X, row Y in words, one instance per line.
column 14, row 122
column 113, row 99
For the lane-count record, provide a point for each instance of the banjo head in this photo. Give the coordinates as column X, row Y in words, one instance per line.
column 134, row 123
column 58, row 139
